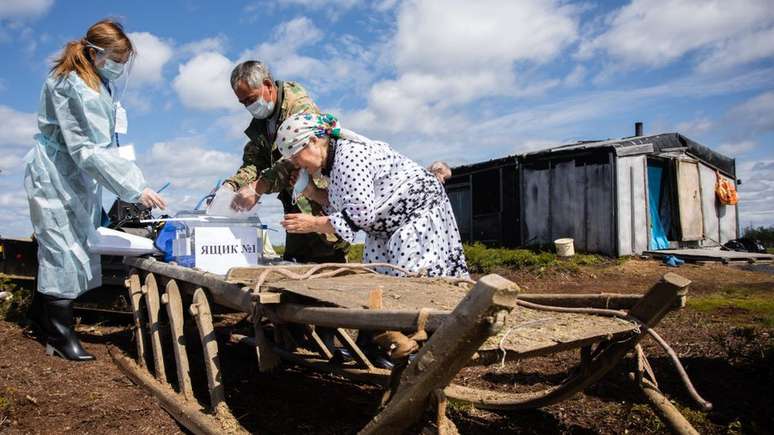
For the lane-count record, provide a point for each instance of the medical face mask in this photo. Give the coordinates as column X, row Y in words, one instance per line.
column 111, row 70
column 260, row 109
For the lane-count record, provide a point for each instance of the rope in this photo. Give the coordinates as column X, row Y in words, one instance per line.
column 312, row 272
column 641, row 326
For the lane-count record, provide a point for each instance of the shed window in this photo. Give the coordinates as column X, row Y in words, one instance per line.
column 486, row 192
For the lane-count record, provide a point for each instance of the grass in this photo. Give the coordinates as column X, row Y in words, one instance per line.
column 760, row 305
column 15, row 308
column 482, row 259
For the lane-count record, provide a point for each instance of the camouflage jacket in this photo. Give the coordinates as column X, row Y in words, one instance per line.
column 261, row 159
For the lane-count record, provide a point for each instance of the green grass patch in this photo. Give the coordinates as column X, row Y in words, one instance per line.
column 759, row 305
column 482, row 259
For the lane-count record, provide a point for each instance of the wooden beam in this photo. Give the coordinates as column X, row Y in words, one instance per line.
column 232, row 296
column 187, row 413
column 613, row 301
column 445, row 353
column 175, row 313
column 200, row 309
column 154, row 310
column 135, row 296
column 349, row 318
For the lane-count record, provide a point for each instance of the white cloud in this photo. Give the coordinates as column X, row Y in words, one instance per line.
column 215, row 43
column 17, row 128
column 344, row 64
column 445, row 37
column 757, row 112
column 445, row 59
column 656, row 32
column 756, row 194
column 24, row 8
column 736, row 148
column 695, row 126
column 203, row 83
column 152, row 54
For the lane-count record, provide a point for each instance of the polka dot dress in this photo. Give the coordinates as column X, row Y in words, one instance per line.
column 401, row 207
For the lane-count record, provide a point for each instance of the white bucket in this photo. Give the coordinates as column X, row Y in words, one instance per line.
column 564, row 247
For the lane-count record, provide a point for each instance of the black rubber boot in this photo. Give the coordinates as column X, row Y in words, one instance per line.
column 61, row 336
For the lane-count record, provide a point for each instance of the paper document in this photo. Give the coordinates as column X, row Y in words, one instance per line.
column 221, row 205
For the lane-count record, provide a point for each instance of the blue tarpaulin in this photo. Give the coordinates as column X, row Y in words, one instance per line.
column 658, row 238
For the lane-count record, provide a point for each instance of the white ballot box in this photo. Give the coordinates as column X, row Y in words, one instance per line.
column 218, row 249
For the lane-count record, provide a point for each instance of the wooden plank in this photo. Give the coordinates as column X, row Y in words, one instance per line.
column 353, row 291
column 187, row 413
column 709, row 206
column 135, row 296
column 350, row 344
column 233, row 296
column 154, row 310
column 689, row 200
column 175, row 313
column 445, row 353
column 349, row 318
column 200, row 309
column 710, row 254
column 661, row 298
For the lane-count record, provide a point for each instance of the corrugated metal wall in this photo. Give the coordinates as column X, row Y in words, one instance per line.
column 719, row 220
column 632, row 199
column 571, row 197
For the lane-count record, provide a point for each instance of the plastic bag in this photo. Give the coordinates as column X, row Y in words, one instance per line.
column 725, row 190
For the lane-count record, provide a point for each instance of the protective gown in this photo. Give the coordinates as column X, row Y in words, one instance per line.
column 74, row 155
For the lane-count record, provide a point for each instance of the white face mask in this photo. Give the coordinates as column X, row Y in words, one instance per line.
column 260, row 108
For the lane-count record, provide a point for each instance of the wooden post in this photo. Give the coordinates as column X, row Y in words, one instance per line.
column 445, row 353
column 200, row 309
column 267, row 358
column 350, row 344
column 175, row 312
column 135, row 296
column 154, row 308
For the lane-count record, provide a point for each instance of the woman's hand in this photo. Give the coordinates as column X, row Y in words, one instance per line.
column 300, row 223
column 149, row 198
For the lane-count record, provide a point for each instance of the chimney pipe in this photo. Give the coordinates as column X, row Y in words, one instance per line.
column 638, row 128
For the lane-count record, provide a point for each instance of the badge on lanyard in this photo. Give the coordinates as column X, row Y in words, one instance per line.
column 122, row 123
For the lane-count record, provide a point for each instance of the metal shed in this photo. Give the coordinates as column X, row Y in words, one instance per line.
column 622, row 197
column 485, row 199
column 615, row 197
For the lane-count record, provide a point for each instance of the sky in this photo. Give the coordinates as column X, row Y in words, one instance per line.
column 450, row 80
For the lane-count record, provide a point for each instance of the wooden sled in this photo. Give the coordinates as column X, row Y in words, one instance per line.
column 452, row 322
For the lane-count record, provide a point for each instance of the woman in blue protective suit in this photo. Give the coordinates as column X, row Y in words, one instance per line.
column 73, row 158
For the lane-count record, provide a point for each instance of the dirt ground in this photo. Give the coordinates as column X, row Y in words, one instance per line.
column 727, row 350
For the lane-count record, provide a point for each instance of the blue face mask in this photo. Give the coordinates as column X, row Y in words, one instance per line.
column 111, row 70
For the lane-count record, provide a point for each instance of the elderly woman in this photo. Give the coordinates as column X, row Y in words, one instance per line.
column 401, row 206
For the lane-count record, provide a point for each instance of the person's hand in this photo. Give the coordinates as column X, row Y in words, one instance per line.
column 246, row 198
column 301, row 223
column 293, row 177
column 149, row 198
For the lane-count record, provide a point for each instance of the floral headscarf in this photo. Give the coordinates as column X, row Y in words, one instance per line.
column 294, row 133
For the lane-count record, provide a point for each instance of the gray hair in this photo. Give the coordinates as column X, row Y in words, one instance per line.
column 252, row 72
column 438, row 166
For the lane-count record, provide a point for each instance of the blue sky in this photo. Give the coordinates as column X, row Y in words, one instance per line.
column 453, row 80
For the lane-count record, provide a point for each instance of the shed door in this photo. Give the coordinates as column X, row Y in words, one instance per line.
column 689, row 198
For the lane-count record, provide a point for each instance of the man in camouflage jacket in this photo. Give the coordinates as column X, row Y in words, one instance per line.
column 262, row 171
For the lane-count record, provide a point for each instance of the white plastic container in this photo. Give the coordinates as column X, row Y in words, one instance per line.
column 565, row 247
